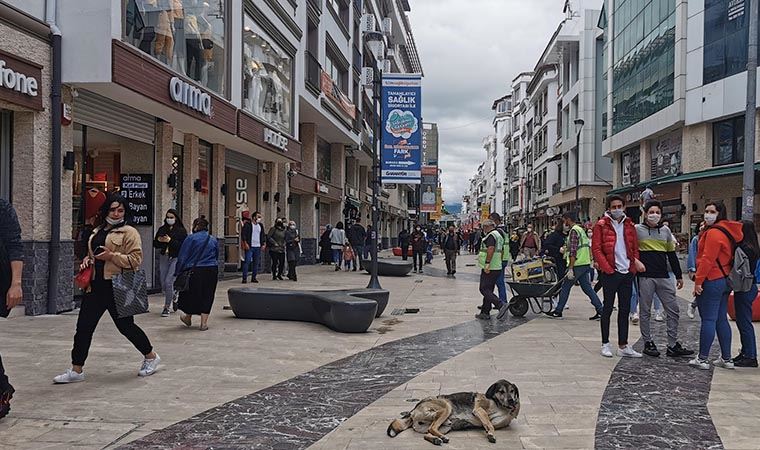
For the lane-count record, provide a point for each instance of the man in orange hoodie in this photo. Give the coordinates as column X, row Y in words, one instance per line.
column 715, row 254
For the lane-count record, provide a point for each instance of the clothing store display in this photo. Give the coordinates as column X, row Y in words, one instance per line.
column 93, row 200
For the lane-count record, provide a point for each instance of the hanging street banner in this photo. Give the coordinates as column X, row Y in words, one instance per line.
column 428, row 188
column 401, row 151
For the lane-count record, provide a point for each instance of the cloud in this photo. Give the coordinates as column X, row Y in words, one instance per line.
column 470, row 52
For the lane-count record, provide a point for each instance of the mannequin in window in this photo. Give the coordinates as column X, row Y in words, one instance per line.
column 193, row 44
column 150, row 15
column 178, row 15
column 164, row 46
column 134, row 23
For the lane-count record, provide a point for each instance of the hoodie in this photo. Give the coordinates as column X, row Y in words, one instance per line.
column 715, row 248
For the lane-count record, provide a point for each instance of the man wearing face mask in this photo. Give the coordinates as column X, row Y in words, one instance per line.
column 615, row 249
column 657, row 247
column 578, row 261
column 253, row 239
column 276, row 245
column 419, row 246
column 530, row 243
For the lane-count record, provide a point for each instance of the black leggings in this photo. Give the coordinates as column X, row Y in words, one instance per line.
column 94, row 305
column 621, row 285
column 278, row 264
column 292, row 269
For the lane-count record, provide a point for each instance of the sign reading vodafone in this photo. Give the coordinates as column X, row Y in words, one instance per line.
column 194, row 98
column 20, row 81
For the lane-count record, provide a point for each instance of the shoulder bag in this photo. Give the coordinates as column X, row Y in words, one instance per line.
column 130, row 292
column 182, row 282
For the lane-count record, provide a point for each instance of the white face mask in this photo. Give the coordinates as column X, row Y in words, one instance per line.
column 654, row 219
column 617, row 214
column 292, row 227
column 114, row 222
column 710, row 218
column 171, row 222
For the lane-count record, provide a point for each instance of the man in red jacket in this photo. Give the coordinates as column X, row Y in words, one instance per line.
column 616, row 254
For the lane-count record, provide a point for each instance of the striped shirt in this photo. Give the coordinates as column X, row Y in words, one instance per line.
column 657, row 248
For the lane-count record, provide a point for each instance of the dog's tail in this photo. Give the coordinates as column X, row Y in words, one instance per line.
column 399, row 425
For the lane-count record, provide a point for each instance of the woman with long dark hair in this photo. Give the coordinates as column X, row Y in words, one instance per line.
column 168, row 241
column 743, row 301
column 199, row 253
column 715, row 253
column 114, row 246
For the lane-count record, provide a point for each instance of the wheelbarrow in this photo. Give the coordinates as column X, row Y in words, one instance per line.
column 536, row 296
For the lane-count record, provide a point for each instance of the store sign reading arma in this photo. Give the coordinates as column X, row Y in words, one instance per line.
column 190, row 96
column 274, row 138
column 17, row 81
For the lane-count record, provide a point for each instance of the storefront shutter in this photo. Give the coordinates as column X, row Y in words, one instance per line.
column 239, row 161
column 105, row 114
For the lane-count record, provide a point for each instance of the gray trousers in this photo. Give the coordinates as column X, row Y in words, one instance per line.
column 451, row 260
column 665, row 289
column 166, row 267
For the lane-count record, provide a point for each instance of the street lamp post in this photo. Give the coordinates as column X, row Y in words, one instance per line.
column 578, row 129
column 378, row 49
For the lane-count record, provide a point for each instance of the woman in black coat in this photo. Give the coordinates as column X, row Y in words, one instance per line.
column 168, row 241
column 325, row 252
column 552, row 245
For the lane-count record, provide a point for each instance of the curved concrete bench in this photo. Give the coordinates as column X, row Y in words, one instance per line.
column 391, row 267
column 346, row 311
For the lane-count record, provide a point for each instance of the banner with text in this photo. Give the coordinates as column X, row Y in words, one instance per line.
column 428, row 187
column 401, row 151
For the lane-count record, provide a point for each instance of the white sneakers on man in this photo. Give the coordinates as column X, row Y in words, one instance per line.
column 658, row 317
column 68, row 377
column 606, row 350
column 690, row 310
column 635, row 318
column 628, row 352
column 723, row 363
column 700, row 363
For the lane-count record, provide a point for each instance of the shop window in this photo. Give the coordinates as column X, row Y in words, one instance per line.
column 6, row 142
column 324, row 161
column 203, row 183
column 728, row 141
column 186, row 35
column 176, row 176
column 337, row 73
column 267, row 78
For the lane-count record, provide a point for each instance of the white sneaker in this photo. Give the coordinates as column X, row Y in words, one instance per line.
column 700, row 363
column 725, row 364
column 658, row 316
column 68, row 377
column 690, row 311
column 635, row 318
column 606, row 350
column 149, row 366
column 628, row 352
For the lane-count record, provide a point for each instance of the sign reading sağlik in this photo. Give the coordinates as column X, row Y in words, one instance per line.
column 401, row 152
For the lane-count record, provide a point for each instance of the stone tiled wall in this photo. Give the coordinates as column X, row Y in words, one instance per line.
column 35, row 277
column 310, row 252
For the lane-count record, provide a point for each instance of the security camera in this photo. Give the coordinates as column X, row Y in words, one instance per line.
column 292, row 173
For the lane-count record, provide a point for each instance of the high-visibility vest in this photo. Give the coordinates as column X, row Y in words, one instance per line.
column 495, row 263
column 583, row 255
column 505, row 255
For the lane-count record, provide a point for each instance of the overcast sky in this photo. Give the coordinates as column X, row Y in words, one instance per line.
column 470, row 52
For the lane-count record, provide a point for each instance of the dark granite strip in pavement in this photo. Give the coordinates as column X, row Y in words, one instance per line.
column 298, row 412
column 658, row 402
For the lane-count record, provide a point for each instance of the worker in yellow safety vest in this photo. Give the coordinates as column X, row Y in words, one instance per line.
column 489, row 261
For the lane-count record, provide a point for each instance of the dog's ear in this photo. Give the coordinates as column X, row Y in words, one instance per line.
column 492, row 391
column 517, row 391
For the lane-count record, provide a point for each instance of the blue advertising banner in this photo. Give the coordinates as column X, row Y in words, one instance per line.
column 401, row 150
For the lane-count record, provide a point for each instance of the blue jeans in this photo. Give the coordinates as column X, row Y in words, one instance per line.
column 743, row 305
column 713, row 307
column 337, row 256
column 635, row 297
column 252, row 255
column 359, row 255
column 501, row 285
column 582, row 276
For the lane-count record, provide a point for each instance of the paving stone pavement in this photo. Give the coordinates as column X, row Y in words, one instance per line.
column 556, row 365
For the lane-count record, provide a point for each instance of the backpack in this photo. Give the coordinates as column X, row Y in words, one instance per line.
column 741, row 278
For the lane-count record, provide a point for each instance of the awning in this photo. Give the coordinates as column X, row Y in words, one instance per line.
column 714, row 172
column 353, row 202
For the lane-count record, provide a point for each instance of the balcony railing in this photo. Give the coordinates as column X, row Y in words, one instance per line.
column 313, row 72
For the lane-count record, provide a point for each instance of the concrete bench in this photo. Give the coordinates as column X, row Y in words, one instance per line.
column 346, row 311
column 391, row 267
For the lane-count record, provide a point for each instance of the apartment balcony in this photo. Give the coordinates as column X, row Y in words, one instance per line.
column 317, row 5
column 313, row 74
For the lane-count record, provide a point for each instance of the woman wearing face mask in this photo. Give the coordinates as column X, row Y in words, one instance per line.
column 419, row 246
column 715, row 253
column 743, row 301
column 113, row 247
column 168, row 241
column 337, row 241
column 200, row 253
column 292, row 249
column 276, row 245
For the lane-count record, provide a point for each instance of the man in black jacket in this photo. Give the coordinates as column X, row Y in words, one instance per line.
column 451, row 244
column 357, row 235
column 252, row 239
column 403, row 242
column 11, row 267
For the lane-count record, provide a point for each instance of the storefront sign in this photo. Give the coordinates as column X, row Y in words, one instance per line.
column 275, row 139
column 338, row 98
column 322, row 189
column 666, row 155
column 20, row 81
column 631, row 167
column 401, row 158
column 194, row 98
column 138, row 190
column 429, row 186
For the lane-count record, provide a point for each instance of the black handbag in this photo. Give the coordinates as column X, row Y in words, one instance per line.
column 182, row 282
column 130, row 293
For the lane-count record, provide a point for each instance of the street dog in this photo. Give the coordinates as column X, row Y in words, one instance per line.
column 436, row 416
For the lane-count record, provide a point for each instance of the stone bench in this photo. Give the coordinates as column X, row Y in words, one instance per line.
column 346, row 311
column 390, row 267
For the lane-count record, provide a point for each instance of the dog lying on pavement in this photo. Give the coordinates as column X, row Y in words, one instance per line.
column 436, row 416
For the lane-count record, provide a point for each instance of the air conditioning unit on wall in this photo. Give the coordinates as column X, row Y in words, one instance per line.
column 368, row 23
column 387, row 26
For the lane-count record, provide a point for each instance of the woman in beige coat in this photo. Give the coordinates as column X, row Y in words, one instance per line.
column 113, row 246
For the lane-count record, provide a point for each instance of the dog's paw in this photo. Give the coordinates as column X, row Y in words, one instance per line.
column 437, row 441
column 491, row 438
column 445, row 439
